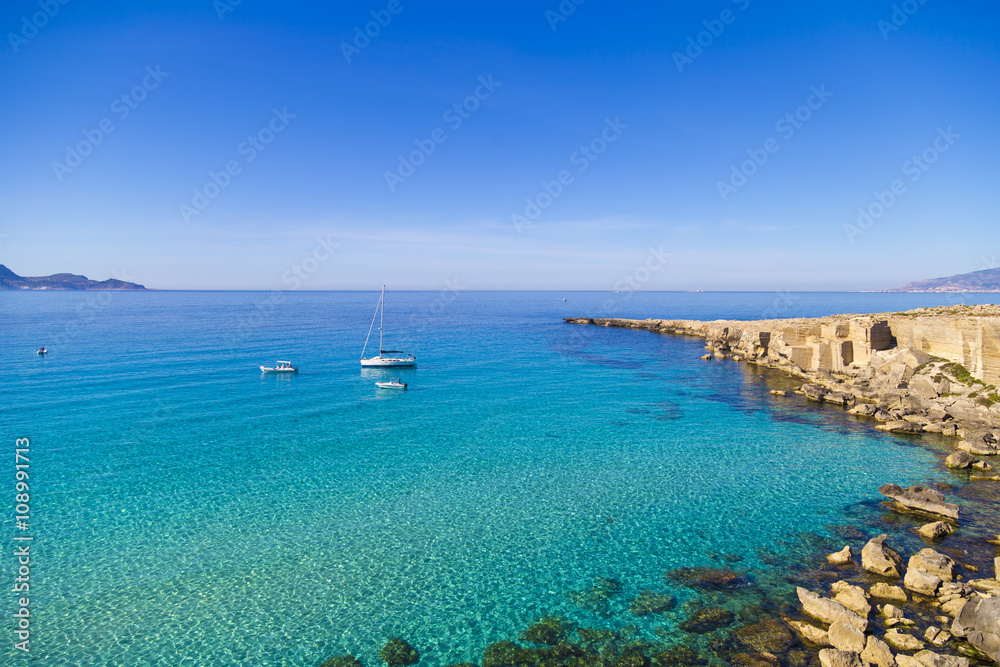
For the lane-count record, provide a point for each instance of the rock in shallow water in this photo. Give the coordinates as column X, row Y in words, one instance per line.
column 920, row 498
column 768, row 636
column 880, row 559
column 936, row 530
column 709, row 578
column 707, row 620
column 828, row 611
column 649, row 602
column 398, row 653
column 842, row 557
column 341, row 661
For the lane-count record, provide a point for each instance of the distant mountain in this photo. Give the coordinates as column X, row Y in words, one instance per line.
column 987, row 280
column 60, row 281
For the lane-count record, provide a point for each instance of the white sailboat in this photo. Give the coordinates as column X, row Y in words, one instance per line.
column 384, row 358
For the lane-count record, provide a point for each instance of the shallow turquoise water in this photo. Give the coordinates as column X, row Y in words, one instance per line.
column 187, row 510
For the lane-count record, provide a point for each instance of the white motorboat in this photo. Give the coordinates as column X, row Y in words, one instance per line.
column 394, row 383
column 280, row 367
column 384, row 358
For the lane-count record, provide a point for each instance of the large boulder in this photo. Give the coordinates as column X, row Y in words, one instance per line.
column 852, row 597
column 920, row 498
column 936, row 530
column 932, row 562
column 828, row 611
column 880, row 559
column 877, row 653
column 846, row 637
column 902, row 641
column 959, row 460
column 979, row 623
column 831, row 657
column 922, row 583
column 931, row 659
column 842, row 557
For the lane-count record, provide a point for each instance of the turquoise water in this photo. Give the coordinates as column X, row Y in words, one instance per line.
column 189, row 511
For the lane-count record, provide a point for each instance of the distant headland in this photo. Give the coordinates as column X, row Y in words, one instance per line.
column 987, row 280
column 60, row 281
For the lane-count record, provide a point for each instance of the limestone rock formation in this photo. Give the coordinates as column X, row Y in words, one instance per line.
column 880, row 559
column 920, row 498
column 828, row 611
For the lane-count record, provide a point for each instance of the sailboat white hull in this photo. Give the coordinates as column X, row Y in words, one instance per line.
column 383, row 362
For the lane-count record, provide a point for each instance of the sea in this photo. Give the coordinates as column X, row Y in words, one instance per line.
column 184, row 509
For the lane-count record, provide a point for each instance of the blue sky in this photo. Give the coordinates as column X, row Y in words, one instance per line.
column 598, row 96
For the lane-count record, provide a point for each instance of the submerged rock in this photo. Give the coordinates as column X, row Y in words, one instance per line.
column 754, row 660
column 398, row 653
column 768, row 636
column 341, row 661
column 707, row 620
column 709, row 578
column 545, row 631
column 506, row 654
column 649, row 602
column 597, row 598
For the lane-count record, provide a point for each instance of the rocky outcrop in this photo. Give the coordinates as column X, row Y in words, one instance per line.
column 920, row 498
column 931, row 370
column 979, row 623
column 880, row 559
column 829, row 611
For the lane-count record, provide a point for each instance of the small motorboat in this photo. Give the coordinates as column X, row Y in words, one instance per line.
column 394, row 383
column 42, row 351
column 280, row 367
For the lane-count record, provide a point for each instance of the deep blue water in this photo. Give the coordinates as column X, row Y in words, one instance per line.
column 187, row 510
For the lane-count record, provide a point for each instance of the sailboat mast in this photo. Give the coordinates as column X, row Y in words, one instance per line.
column 381, row 320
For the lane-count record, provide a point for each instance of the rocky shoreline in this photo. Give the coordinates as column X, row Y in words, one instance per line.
column 933, row 370
column 924, row 371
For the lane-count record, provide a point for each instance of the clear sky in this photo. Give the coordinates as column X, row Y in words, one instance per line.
column 711, row 145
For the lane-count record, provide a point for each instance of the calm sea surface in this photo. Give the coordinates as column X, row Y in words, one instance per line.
column 187, row 510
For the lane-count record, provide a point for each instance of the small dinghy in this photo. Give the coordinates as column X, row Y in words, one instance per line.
column 42, row 351
column 280, row 367
column 394, row 383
